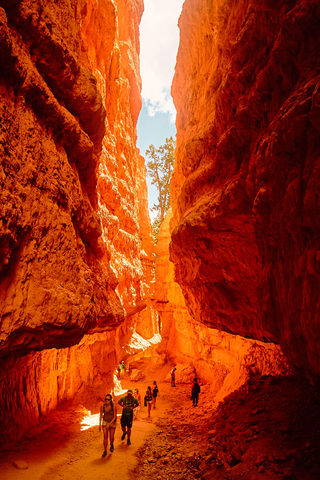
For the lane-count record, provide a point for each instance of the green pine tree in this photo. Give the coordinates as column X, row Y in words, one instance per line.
column 160, row 168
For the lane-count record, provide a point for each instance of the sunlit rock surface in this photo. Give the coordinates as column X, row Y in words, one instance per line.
column 34, row 384
column 223, row 360
column 70, row 97
column 245, row 192
column 75, row 235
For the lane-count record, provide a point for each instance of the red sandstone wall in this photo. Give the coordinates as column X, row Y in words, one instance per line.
column 36, row 383
column 223, row 360
column 56, row 282
column 71, row 190
column 245, row 192
column 75, row 235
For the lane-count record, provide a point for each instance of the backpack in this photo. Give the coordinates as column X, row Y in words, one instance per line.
column 148, row 397
column 128, row 405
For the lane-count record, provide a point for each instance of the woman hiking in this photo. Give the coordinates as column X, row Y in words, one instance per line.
column 148, row 400
column 108, row 420
column 136, row 395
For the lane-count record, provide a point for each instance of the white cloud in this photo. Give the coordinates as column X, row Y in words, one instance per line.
column 159, row 39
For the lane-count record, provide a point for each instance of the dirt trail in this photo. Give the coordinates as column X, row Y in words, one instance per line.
column 61, row 451
column 268, row 429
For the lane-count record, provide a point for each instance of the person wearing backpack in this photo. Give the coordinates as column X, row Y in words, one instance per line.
column 108, row 420
column 155, row 393
column 122, row 368
column 128, row 404
column 195, row 392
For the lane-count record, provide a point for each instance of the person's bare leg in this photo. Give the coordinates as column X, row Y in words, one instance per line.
column 105, row 439
column 128, row 436
column 124, row 432
column 149, row 408
column 112, row 432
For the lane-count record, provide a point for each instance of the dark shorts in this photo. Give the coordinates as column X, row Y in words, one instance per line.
column 126, row 420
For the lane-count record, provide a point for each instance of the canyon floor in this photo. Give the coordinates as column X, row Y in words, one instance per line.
column 259, row 432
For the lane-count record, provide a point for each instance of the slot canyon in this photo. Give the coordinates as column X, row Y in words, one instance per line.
column 230, row 292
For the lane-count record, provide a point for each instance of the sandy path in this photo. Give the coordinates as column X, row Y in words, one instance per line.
column 241, row 440
column 76, row 455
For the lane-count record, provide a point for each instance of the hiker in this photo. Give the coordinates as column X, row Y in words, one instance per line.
column 195, row 392
column 136, row 395
column 148, row 400
column 128, row 404
column 155, row 392
column 108, row 420
column 122, row 368
column 173, row 377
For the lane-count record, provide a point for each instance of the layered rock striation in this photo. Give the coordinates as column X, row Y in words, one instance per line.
column 70, row 89
column 223, row 360
column 75, row 236
column 36, row 383
column 245, row 191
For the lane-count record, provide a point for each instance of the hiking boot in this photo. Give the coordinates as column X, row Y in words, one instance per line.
column 123, row 435
column 104, row 453
column 111, row 447
column 128, row 441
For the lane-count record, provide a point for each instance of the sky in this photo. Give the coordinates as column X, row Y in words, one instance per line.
column 159, row 39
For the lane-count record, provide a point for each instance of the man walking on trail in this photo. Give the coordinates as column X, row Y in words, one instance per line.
column 195, row 392
column 122, row 368
column 128, row 404
column 173, row 377
column 155, row 393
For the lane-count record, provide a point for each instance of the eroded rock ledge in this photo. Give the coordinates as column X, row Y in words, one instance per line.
column 75, row 235
column 245, row 192
column 222, row 360
column 70, row 98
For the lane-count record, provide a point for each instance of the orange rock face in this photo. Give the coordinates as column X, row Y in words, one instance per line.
column 246, row 183
column 69, row 104
column 38, row 382
column 225, row 361
column 75, row 235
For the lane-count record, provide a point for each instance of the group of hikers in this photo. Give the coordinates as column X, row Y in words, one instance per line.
column 195, row 390
column 130, row 404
